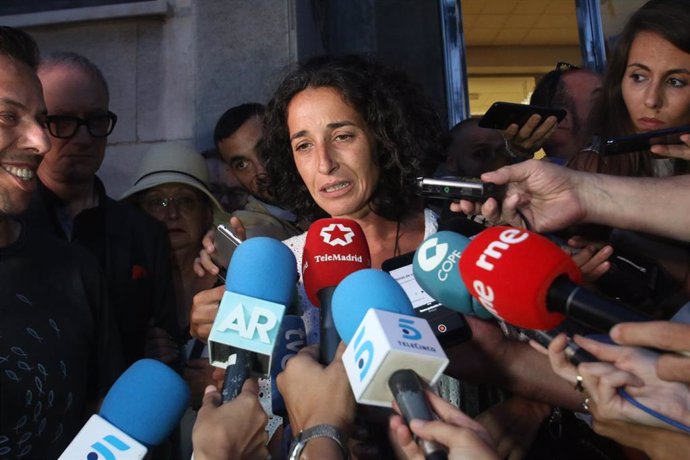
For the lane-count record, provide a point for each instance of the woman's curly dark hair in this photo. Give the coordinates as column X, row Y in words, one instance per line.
column 407, row 130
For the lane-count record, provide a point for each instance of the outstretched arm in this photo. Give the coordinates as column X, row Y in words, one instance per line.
column 551, row 197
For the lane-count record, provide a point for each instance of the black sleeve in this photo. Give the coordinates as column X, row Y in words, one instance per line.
column 106, row 358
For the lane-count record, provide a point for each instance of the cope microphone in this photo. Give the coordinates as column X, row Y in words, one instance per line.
column 497, row 271
column 334, row 248
column 387, row 347
column 141, row 409
column 435, row 267
column 260, row 282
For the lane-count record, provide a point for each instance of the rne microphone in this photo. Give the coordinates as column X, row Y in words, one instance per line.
column 139, row 411
column 260, row 282
column 387, row 346
column 334, row 248
column 435, row 267
column 529, row 282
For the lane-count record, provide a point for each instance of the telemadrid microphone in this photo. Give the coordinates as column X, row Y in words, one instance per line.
column 387, row 347
column 260, row 282
column 139, row 411
column 435, row 267
column 334, row 248
column 529, row 282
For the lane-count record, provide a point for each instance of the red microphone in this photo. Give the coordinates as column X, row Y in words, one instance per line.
column 334, row 248
column 530, row 282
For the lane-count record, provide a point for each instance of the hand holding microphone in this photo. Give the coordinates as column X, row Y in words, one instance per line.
column 260, row 284
column 624, row 384
column 670, row 337
column 234, row 429
column 388, row 347
column 315, row 394
column 465, row 438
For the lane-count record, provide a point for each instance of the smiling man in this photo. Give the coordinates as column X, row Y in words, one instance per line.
column 59, row 350
column 71, row 203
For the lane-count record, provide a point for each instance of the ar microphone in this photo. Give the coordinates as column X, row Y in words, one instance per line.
column 261, row 281
column 141, row 409
column 435, row 267
column 291, row 339
column 497, row 271
column 374, row 316
column 334, row 248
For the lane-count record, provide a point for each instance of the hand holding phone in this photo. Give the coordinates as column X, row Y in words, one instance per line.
column 503, row 114
column 225, row 242
column 644, row 141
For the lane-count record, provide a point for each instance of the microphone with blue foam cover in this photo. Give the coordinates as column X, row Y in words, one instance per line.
column 261, row 281
column 387, row 346
column 435, row 267
column 139, row 412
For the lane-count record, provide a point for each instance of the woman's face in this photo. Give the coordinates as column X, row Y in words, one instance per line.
column 333, row 150
column 183, row 211
column 656, row 83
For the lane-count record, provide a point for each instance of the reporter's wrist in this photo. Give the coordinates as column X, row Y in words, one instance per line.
column 321, row 441
column 591, row 195
column 323, row 449
column 515, row 152
column 338, row 423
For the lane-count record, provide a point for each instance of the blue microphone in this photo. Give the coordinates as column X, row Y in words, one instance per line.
column 388, row 347
column 260, row 283
column 354, row 298
column 435, row 268
column 141, row 409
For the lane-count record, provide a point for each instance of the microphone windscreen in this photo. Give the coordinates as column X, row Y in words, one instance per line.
column 435, row 267
column 510, row 271
column 362, row 290
column 146, row 401
column 263, row 268
column 334, row 248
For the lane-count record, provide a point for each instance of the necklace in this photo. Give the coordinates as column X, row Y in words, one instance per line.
column 396, row 249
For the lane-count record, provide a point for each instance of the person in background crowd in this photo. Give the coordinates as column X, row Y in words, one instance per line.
column 171, row 185
column 71, row 203
column 575, row 90
column 645, row 88
column 473, row 150
column 222, row 185
column 236, row 136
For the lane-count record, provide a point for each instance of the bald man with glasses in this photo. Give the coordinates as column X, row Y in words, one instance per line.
column 71, row 202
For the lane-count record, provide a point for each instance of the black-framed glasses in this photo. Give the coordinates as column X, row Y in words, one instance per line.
column 562, row 66
column 66, row 126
